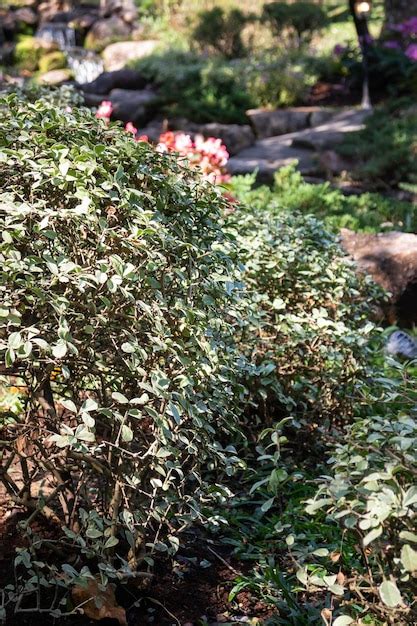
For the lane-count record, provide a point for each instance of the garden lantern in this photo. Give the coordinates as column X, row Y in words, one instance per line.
column 361, row 9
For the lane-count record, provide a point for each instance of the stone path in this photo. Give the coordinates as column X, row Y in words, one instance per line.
column 304, row 146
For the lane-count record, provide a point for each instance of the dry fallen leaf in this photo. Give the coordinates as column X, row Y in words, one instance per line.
column 98, row 604
column 335, row 557
column 326, row 615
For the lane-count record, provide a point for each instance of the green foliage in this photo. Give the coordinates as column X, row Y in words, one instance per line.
column 200, row 89
column 329, row 504
column 371, row 489
column 221, row 31
column 385, row 150
column 209, row 89
column 369, row 212
column 116, row 299
column 297, row 22
column 28, row 53
column 278, row 81
column 309, row 342
column 390, row 71
column 53, row 61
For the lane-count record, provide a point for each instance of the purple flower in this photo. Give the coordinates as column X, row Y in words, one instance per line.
column 410, row 26
column 366, row 39
column 411, row 52
column 338, row 50
column 393, row 45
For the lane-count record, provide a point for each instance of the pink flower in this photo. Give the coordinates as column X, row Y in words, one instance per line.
column 143, row 138
column 129, row 128
column 411, row 52
column 183, row 143
column 105, row 110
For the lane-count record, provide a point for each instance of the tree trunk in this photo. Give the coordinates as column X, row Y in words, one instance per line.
column 397, row 11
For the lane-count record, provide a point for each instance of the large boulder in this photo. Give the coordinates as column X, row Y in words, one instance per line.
column 117, row 55
column 26, row 15
column 391, row 259
column 133, row 106
column 270, row 123
column 55, row 77
column 105, row 31
column 129, row 105
column 121, row 79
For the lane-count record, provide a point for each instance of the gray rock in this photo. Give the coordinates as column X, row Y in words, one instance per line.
column 329, row 135
column 236, row 137
column 132, row 106
column 401, row 344
column 268, row 123
column 106, row 30
column 280, row 122
column 391, row 259
column 26, row 15
column 128, row 105
column 117, row 55
column 108, row 81
column 269, row 155
column 55, row 77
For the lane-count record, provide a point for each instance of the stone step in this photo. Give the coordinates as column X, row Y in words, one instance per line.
column 304, row 146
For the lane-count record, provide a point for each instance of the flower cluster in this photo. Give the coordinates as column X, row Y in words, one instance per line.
column 209, row 155
column 403, row 39
column 406, row 38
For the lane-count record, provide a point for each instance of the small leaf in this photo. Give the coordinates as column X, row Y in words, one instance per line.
column 94, row 533
column 372, row 535
column 409, row 558
column 111, row 542
column 69, row 405
column 89, row 405
column 267, row 505
column 129, row 348
column 59, row 350
column 343, row 620
column 321, row 552
column 127, row 433
column 390, row 594
column 119, row 397
column 302, row 576
column 85, row 435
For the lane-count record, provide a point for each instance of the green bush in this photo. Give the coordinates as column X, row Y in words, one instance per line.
column 296, row 22
column 309, row 343
column 200, row 89
column 221, row 31
column 116, row 299
column 385, row 150
column 390, row 70
column 367, row 212
column 278, row 81
column 53, row 61
column 28, row 53
column 328, row 507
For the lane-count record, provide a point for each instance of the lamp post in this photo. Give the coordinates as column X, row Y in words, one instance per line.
column 361, row 10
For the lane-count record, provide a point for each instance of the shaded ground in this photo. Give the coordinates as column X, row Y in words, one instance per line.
column 191, row 589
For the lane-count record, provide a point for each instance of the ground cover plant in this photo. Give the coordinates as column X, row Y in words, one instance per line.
column 385, row 149
column 330, row 531
column 366, row 212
